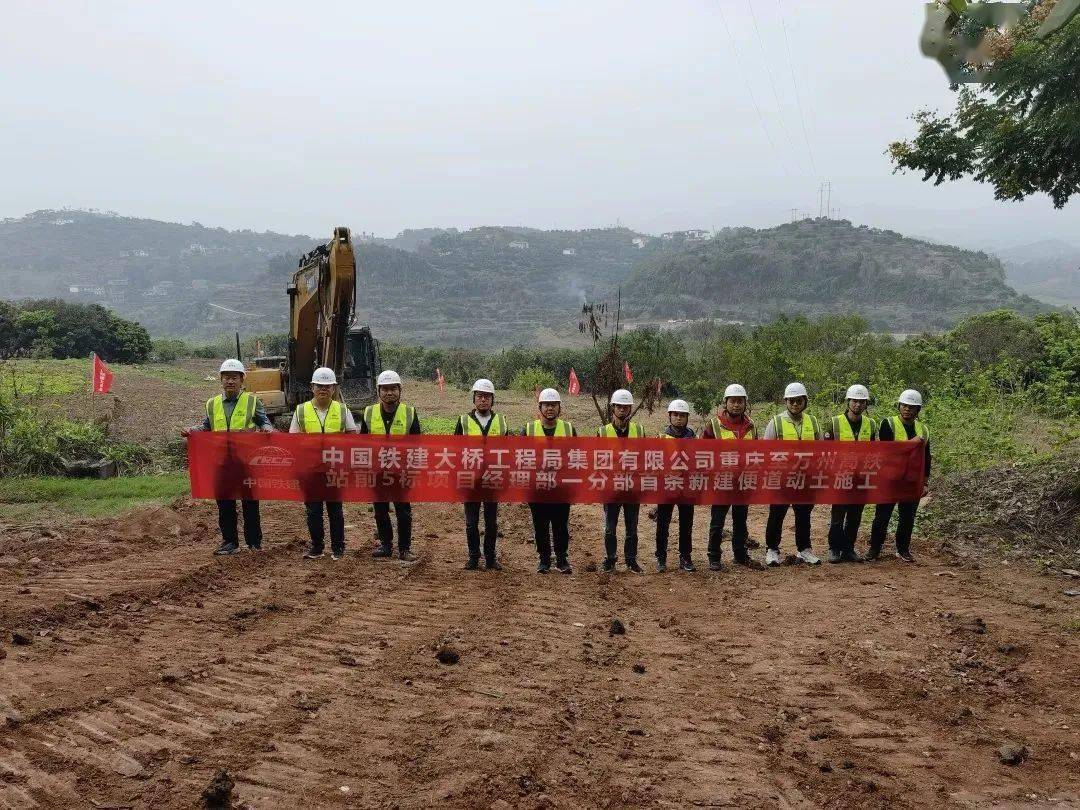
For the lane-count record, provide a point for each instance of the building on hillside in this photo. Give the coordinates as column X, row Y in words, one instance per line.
column 200, row 284
column 569, row 252
column 639, row 242
column 518, row 245
column 697, row 234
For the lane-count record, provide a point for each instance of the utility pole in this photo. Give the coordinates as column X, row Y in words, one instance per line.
column 828, row 207
column 794, row 214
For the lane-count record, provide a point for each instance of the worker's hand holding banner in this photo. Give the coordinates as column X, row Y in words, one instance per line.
column 451, row 469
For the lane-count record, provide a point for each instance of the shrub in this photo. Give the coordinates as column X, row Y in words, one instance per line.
column 530, row 379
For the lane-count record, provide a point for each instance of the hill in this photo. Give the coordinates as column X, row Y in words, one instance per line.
column 1049, row 270
column 820, row 266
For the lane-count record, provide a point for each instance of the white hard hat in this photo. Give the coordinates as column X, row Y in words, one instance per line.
column 549, row 395
column 857, row 392
column 622, row 397
column 678, row 406
column 232, row 365
column 324, row 376
column 911, row 397
column 734, row 390
column 484, row 386
column 389, row 378
column 795, row 389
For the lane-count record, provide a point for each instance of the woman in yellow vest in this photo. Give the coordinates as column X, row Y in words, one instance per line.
column 482, row 420
column 324, row 414
column 794, row 424
column 905, row 426
column 845, row 518
column 620, row 426
column 235, row 409
column 391, row 417
column 678, row 416
column 551, row 520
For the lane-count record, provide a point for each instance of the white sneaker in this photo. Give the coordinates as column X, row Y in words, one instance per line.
column 809, row 557
column 772, row 557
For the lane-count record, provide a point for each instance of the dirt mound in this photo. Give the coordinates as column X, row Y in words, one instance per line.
column 1033, row 509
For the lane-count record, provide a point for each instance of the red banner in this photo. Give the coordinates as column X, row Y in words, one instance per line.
column 627, row 372
column 574, row 388
column 449, row 469
column 102, row 376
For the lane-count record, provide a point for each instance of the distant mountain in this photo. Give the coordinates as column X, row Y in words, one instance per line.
column 821, row 266
column 1049, row 270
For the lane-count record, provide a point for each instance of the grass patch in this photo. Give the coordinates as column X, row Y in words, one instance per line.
column 173, row 374
column 22, row 499
column 44, row 377
column 438, row 425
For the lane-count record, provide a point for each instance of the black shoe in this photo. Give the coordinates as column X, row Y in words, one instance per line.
column 543, row 567
column 607, row 566
column 686, row 564
column 749, row 562
column 227, row 548
column 634, row 568
column 835, row 556
column 314, row 553
column 905, row 556
column 661, row 566
column 872, row 554
column 850, row 555
column 407, row 556
column 492, row 565
column 337, row 554
column 563, row 567
column 383, row 552
column 255, row 547
column 473, row 564
column 714, row 565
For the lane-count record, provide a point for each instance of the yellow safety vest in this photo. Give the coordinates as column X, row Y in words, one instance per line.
column 470, row 427
column 841, row 429
column 785, row 428
column 536, row 428
column 243, row 414
column 721, row 432
column 900, row 432
column 635, row 431
column 308, row 418
column 399, row 425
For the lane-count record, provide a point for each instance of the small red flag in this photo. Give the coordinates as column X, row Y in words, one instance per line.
column 102, row 376
column 574, row 388
column 627, row 372
column 441, row 380
column 659, row 385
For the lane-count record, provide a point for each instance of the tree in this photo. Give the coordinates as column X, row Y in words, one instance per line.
column 1017, row 132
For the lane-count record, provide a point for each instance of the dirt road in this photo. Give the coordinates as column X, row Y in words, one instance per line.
column 148, row 664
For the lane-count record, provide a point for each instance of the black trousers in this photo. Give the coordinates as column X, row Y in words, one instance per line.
column 551, row 519
column 472, row 528
column 403, row 513
column 844, row 522
column 664, row 511
column 630, row 511
column 905, row 523
column 739, row 533
column 226, row 518
column 335, row 516
column 775, row 525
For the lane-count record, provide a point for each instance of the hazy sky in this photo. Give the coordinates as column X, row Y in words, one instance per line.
column 296, row 117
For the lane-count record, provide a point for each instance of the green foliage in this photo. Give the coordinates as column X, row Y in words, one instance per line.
column 533, row 378
column 702, row 395
column 168, row 350
column 58, row 329
column 48, row 497
column 439, row 425
column 1018, row 131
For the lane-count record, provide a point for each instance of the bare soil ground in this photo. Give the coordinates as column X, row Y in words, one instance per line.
column 136, row 665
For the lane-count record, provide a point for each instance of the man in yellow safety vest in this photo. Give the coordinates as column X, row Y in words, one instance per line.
column 551, row 520
column 621, row 427
column 234, row 409
column 731, row 423
column 391, row 417
column 678, row 416
column 482, row 420
column 324, row 414
column 793, row 424
column 844, row 519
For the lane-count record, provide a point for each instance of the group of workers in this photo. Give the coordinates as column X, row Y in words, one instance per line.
column 236, row 409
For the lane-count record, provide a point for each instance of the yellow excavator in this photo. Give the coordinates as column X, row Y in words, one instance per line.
column 322, row 308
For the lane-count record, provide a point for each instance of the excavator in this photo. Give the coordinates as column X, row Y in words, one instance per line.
column 322, row 310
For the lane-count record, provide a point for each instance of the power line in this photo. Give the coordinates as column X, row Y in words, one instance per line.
column 772, row 82
column 795, row 84
column 750, row 90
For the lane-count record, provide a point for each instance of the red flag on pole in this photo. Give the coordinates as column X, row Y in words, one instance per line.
column 627, row 372
column 102, row 376
column 659, row 385
column 441, row 380
column 574, row 388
